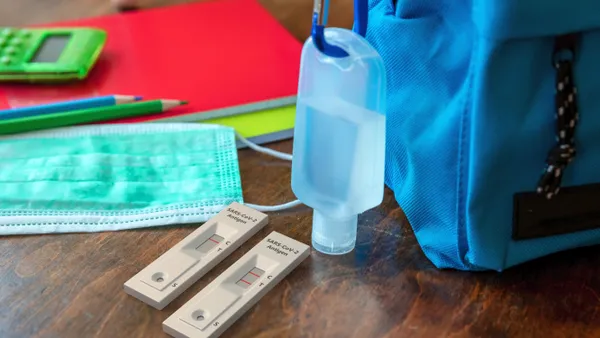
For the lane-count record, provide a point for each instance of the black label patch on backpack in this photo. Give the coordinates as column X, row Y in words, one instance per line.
column 576, row 208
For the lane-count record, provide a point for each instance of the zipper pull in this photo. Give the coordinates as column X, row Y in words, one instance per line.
column 566, row 116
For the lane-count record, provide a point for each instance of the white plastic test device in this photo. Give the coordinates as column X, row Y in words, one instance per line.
column 229, row 296
column 177, row 269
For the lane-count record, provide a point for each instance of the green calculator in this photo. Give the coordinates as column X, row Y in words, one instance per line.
column 48, row 54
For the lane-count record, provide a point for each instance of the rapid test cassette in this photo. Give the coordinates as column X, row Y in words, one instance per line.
column 177, row 269
column 214, row 309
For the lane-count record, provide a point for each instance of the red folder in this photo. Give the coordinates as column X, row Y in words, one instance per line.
column 214, row 54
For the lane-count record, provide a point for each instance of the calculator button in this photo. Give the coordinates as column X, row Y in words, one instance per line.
column 5, row 60
column 16, row 42
column 7, row 32
column 25, row 33
column 10, row 50
column 3, row 42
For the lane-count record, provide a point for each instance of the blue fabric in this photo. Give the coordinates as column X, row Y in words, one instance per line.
column 471, row 118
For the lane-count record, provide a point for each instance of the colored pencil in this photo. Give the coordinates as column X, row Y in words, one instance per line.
column 64, row 106
column 64, row 119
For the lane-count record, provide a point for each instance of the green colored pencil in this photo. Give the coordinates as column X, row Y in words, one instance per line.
column 75, row 117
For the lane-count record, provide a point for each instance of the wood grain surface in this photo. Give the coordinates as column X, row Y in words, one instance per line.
column 71, row 285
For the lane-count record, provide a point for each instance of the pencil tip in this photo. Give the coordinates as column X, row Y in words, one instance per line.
column 183, row 102
column 138, row 98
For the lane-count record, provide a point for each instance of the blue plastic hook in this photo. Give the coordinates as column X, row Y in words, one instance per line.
column 320, row 12
column 361, row 17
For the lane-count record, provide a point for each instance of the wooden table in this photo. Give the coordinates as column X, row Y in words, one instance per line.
column 71, row 285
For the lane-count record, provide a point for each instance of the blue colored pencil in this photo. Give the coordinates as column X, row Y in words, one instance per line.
column 65, row 106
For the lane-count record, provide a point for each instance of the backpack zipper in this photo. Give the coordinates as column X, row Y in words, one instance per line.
column 566, row 115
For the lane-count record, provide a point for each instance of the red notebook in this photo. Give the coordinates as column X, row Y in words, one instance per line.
column 214, row 54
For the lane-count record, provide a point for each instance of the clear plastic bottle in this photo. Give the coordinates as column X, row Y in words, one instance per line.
column 339, row 138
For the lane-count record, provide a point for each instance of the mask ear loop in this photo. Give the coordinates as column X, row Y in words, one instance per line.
column 264, row 150
column 277, row 154
column 320, row 13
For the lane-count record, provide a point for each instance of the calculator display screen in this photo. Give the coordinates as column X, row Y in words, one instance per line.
column 50, row 49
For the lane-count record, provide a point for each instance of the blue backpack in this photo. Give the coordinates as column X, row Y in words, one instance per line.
column 493, row 125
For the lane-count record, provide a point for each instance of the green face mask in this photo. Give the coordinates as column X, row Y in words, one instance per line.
column 114, row 177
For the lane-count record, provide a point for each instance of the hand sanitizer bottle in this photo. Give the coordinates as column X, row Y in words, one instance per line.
column 339, row 138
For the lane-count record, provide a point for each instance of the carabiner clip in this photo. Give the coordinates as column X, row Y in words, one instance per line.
column 320, row 12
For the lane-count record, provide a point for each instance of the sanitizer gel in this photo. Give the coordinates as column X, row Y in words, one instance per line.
column 339, row 138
